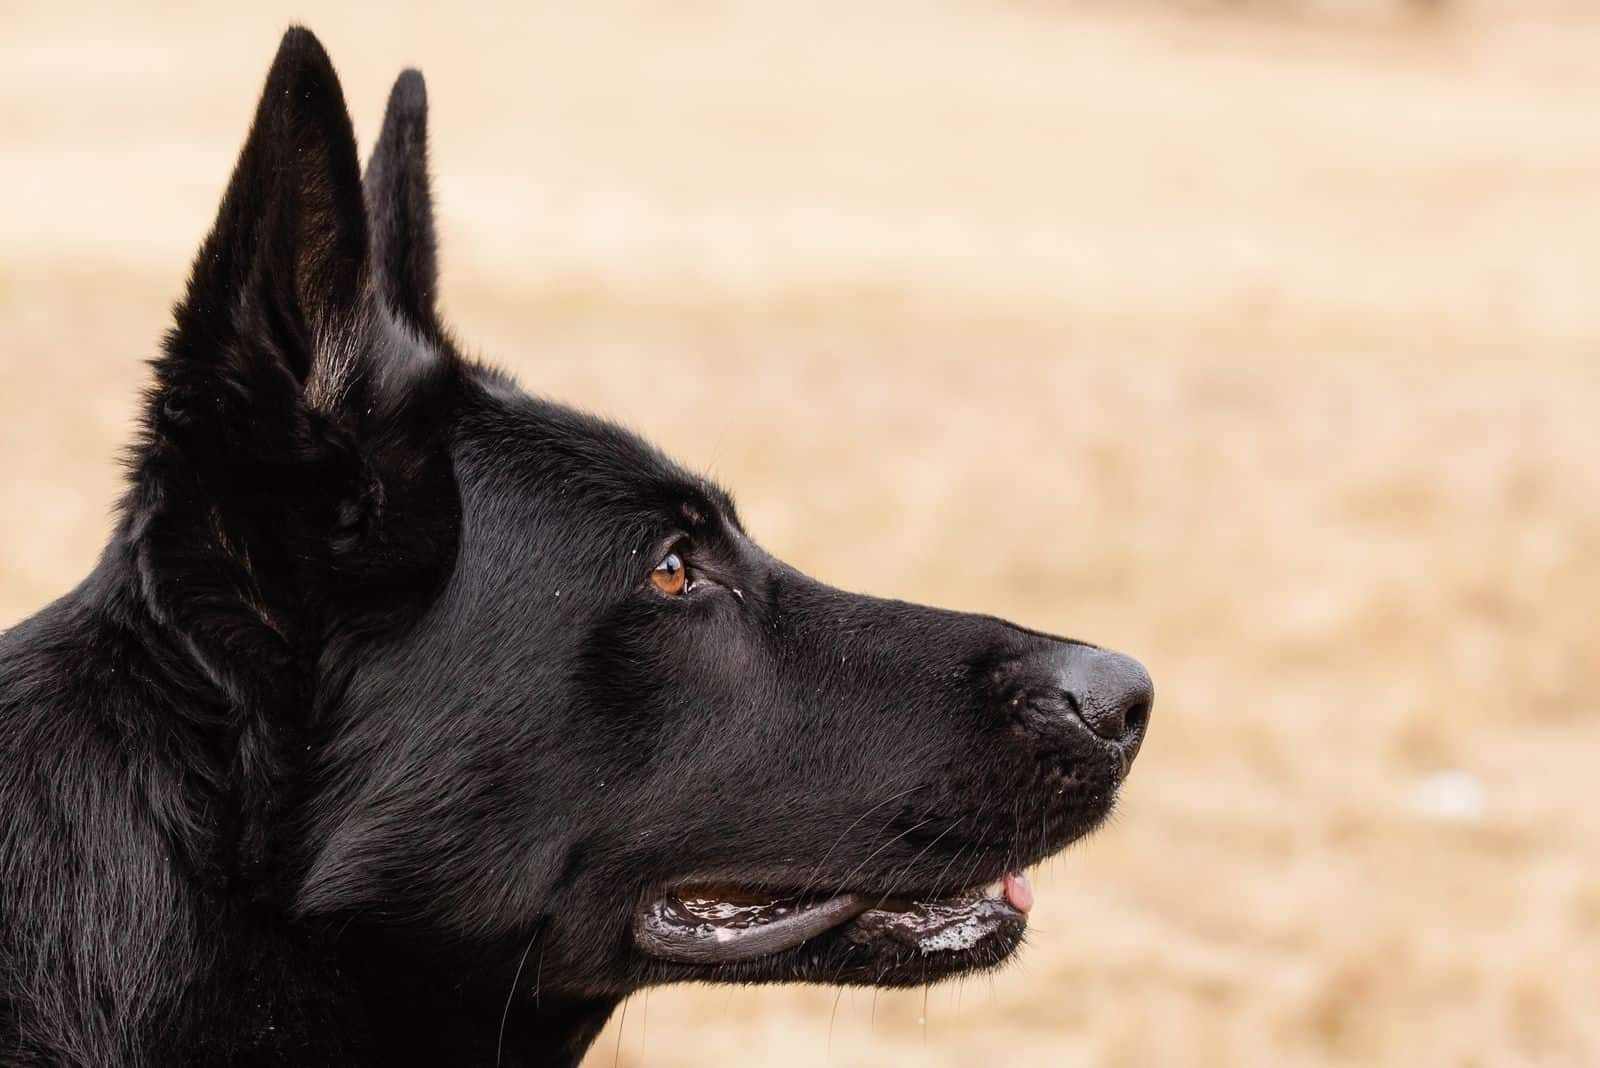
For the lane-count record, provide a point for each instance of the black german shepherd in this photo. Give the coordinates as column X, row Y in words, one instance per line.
column 409, row 719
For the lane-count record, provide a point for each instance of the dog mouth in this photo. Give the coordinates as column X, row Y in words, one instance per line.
column 719, row 923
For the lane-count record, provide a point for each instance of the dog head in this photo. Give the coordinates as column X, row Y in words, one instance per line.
column 521, row 679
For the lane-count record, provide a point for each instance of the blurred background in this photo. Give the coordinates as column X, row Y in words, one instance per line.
column 1260, row 340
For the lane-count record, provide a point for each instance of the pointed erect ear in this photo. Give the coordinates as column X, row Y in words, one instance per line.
column 289, row 247
column 400, row 208
column 291, row 481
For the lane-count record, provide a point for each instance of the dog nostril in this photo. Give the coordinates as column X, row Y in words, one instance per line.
column 1137, row 717
column 1109, row 721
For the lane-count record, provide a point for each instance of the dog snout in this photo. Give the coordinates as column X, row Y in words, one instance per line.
column 1067, row 689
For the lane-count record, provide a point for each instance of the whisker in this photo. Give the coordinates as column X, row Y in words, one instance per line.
column 832, row 1016
column 907, row 869
column 644, row 1026
column 538, row 976
column 951, row 863
column 622, row 1025
column 844, row 884
column 817, row 869
column 505, row 1013
column 973, row 871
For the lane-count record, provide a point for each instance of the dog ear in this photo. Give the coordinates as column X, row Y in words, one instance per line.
column 400, row 208
column 291, row 411
column 288, row 250
column 288, row 484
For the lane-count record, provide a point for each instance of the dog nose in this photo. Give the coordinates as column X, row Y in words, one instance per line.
column 1111, row 693
column 1065, row 692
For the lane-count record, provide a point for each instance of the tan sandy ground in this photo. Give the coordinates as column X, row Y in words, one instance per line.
column 1264, row 344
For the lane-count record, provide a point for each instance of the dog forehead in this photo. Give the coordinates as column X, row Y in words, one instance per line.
column 561, row 455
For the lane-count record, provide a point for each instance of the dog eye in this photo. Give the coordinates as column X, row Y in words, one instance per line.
column 670, row 577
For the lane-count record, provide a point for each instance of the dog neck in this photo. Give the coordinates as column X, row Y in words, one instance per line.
column 424, row 1006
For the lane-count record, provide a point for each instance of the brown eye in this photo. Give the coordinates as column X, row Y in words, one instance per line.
column 669, row 576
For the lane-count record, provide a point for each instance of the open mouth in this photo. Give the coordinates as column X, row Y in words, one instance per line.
column 723, row 924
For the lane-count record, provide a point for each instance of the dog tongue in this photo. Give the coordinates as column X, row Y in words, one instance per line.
column 1019, row 892
column 715, row 931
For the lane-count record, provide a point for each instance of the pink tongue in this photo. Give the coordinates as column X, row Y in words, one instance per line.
column 1018, row 892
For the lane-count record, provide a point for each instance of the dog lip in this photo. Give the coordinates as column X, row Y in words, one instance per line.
column 706, row 930
column 726, row 924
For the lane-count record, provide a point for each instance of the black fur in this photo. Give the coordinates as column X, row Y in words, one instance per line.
column 369, row 732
